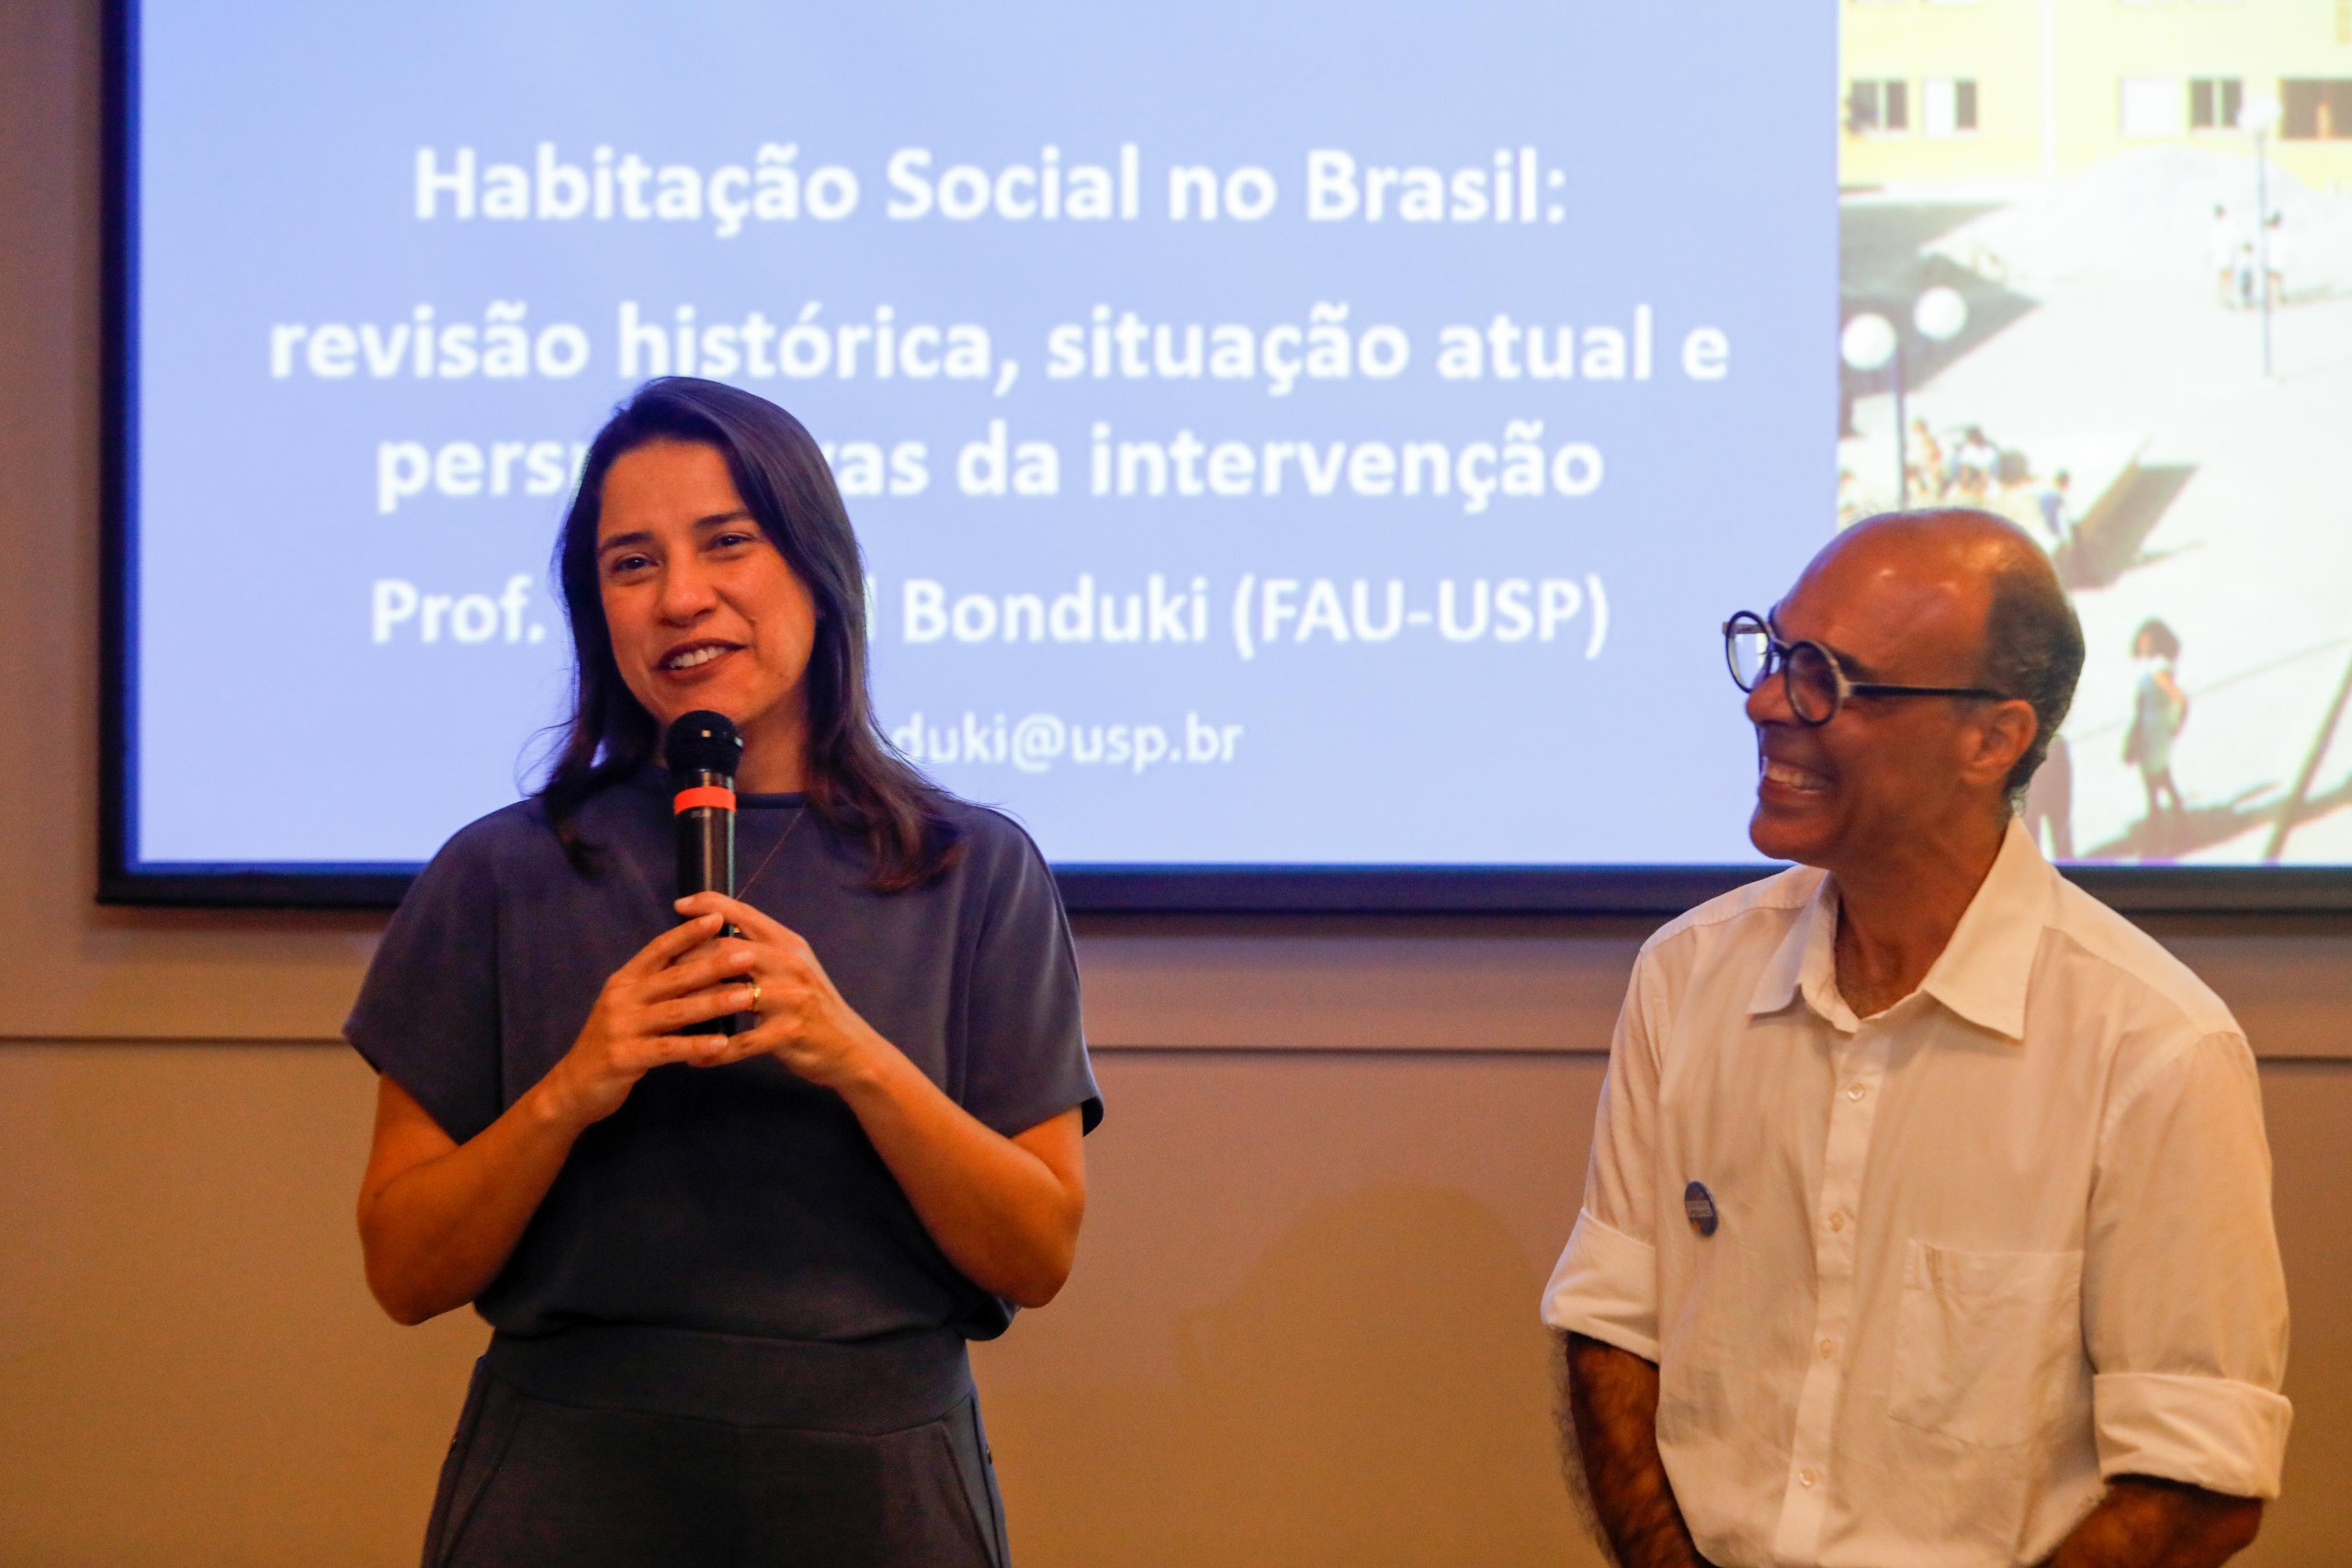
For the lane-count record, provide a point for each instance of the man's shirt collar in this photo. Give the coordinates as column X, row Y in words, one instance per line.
column 1982, row 974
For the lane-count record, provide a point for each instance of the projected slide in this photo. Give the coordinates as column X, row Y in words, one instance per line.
column 1291, row 435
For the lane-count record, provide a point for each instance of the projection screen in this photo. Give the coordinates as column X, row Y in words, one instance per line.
column 1304, row 454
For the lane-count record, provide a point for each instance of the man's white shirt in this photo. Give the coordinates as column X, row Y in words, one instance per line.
column 1969, row 1256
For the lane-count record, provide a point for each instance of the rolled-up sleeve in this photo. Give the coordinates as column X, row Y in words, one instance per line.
column 1605, row 1285
column 2184, row 1300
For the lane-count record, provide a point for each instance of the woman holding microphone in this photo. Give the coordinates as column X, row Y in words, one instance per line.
column 731, row 1276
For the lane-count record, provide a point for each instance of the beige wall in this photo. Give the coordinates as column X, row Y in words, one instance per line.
column 1340, row 1154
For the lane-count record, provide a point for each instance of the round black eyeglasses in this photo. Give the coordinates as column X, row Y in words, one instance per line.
column 1815, row 683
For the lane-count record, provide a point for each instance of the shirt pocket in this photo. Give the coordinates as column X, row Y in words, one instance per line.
column 1989, row 1343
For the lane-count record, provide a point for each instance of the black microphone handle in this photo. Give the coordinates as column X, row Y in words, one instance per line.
column 707, row 844
column 707, row 864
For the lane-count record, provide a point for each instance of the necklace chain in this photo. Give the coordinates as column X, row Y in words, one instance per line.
column 744, row 887
column 629, row 861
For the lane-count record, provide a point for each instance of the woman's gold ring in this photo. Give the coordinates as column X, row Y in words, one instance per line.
column 756, row 995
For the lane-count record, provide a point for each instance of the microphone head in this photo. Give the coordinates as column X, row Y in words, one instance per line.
column 703, row 742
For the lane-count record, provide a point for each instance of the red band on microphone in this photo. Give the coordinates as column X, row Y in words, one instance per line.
column 703, row 795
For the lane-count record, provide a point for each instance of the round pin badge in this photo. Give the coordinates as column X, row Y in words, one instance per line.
column 1699, row 1208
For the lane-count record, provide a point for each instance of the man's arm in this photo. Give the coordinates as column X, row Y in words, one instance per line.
column 2146, row 1523
column 1609, row 1422
column 2184, row 1318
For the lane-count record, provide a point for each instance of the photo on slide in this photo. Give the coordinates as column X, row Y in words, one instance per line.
column 2095, row 275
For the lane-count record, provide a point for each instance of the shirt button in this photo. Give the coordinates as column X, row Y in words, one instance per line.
column 1828, row 1349
column 1837, row 1222
column 1855, row 1091
column 1808, row 1476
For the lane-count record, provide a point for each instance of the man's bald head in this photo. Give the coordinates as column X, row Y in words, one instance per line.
column 1981, row 568
column 1964, row 651
column 1962, row 537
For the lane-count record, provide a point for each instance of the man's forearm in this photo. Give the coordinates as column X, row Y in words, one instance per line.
column 1609, row 1407
column 2143, row 1523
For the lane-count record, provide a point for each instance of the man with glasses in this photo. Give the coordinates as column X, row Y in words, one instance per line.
column 1928, row 1221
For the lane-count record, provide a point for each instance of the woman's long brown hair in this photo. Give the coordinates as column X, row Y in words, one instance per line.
column 857, row 783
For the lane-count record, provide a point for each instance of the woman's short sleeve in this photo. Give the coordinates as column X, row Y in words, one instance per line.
column 1024, row 1045
column 427, row 1016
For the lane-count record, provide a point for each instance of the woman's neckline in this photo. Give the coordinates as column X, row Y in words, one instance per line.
column 770, row 801
column 656, row 778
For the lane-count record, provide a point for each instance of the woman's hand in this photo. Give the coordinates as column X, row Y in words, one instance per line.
column 1006, row 1210
column 802, row 1019
column 438, row 1219
column 635, row 1024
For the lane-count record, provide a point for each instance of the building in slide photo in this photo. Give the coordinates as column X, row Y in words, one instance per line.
column 1941, row 90
column 2095, row 275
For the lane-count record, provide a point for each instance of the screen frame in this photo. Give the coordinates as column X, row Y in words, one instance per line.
column 1590, row 889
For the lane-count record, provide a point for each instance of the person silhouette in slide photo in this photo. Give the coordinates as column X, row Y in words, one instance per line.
column 2159, row 708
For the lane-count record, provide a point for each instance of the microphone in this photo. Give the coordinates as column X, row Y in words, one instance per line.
column 702, row 749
